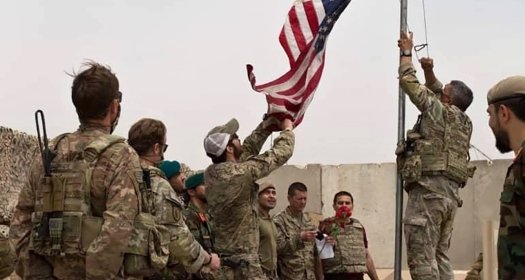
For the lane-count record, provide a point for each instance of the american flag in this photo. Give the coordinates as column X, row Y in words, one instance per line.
column 303, row 38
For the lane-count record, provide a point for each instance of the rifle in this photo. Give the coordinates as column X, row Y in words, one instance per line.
column 51, row 224
column 47, row 156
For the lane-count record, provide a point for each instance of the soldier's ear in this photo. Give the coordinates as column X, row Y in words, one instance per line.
column 156, row 148
column 113, row 106
column 503, row 113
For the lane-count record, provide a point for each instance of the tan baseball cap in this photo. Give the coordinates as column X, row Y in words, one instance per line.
column 507, row 88
column 217, row 138
column 264, row 186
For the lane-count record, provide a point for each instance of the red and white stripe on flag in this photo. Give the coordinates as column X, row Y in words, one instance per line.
column 303, row 38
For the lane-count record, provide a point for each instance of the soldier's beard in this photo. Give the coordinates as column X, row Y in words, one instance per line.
column 502, row 141
column 202, row 197
column 237, row 152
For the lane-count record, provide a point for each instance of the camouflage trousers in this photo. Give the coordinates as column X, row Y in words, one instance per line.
column 241, row 267
column 271, row 274
column 428, row 222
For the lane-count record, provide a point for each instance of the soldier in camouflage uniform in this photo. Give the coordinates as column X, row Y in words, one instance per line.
column 197, row 217
column 351, row 256
column 148, row 138
column 506, row 108
column 232, row 191
column 434, row 164
column 303, row 263
column 7, row 253
column 271, row 244
column 76, row 222
column 173, row 171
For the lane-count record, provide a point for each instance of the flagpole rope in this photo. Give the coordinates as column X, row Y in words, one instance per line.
column 489, row 160
column 426, row 29
column 420, row 47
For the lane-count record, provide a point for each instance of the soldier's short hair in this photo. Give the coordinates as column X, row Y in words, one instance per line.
column 460, row 95
column 343, row 193
column 145, row 133
column 93, row 90
column 296, row 186
column 516, row 105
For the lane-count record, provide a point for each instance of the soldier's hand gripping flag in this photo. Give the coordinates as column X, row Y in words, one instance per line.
column 303, row 38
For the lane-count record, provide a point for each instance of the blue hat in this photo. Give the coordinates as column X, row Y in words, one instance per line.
column 194, row 181
column 170, row 168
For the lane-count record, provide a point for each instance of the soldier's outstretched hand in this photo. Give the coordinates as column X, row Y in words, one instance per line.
column 271, row 123
column 286, row 124
column 427, row 63
column 405, row 41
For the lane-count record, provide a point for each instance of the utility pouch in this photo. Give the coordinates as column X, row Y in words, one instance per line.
column 400, row 155
column 148, row 249
column 411, row 171
column 91, row 227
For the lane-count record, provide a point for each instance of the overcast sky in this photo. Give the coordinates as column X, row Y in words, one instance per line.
column 183, row 62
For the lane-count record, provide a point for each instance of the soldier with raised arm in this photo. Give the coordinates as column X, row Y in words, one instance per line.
column 433, row 163
column 232, row 191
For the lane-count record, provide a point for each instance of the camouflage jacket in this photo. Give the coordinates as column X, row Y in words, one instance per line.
column 231, row 191
column 184, row 249
column 350, row 248
column 427, row 100
column 511, row 237
column 113, row 197
column 200, row 226
column 298, row 264
column 273, row 242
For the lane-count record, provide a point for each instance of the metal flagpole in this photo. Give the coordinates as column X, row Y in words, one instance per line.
column 399, row 185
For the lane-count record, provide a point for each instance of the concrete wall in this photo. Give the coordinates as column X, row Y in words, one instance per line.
column 373, row 187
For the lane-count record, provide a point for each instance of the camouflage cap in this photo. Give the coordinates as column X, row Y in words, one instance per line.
column 507, row 88
column 217, row 139
column 264, row 186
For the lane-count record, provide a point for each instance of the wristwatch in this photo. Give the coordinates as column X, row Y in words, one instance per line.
column 406, row 53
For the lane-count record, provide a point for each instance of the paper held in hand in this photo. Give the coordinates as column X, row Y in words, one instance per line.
column 326, row 250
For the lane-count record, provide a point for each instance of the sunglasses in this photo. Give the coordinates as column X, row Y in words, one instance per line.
column 118, row 96
column 165, row 147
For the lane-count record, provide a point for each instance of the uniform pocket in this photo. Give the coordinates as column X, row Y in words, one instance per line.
column 416, row 233
column 418, row 246
column 171, row 209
